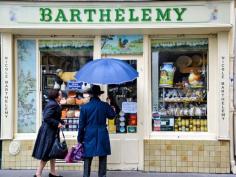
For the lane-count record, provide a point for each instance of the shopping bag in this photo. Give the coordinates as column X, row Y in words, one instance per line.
column 78, row 152
column 59, row 149
column 68, row 157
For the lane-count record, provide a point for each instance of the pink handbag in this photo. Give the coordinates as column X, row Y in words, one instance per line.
column 68, row 157
column 75, row 154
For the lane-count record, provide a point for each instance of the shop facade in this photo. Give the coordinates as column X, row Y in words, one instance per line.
column 175, row 117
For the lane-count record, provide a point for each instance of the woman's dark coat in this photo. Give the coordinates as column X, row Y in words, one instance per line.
column 92, row 127
column 48, row 130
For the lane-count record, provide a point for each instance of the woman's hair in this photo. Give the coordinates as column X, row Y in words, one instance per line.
column 53, row 93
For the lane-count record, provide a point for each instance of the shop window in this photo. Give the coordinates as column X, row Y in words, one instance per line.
column 60, row 59
column 123, row 98
column 1, row 87
column 179, row 85
column 26, row 86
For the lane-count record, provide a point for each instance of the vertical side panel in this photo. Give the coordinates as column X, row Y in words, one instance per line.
column 7, row 86
column 223, row 58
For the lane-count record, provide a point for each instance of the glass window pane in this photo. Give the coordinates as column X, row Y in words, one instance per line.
column 179, row 85
column 26, row 88
column 123, row 98
column 60, row 59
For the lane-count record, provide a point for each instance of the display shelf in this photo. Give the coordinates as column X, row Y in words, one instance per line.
column 70, row 105
column 182, row 87
column 162, row 101
column 70, row 118
column 194, row 117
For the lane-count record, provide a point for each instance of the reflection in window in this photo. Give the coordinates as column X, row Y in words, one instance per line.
column 179, row 85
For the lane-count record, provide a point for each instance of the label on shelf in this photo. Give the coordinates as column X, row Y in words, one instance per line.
column 74, row 85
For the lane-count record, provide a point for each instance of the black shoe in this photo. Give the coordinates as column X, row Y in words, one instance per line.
column 51, row 175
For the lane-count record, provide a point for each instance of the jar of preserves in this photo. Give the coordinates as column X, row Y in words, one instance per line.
column 205, row 122
column 202, row 122
column 187, row 122
column 202, row 128
column 198, row 123
column 183, row 122
column 194, row 122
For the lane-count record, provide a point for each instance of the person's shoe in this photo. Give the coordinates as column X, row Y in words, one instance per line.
column 51, row 175
column 36, row 175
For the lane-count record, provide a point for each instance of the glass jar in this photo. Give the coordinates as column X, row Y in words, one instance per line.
column 187, row 122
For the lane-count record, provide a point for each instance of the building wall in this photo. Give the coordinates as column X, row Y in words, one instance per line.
column 187, row 156
column 160, row 156
column 24, row 160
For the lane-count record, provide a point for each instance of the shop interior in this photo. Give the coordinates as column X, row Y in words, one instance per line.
column 58, row 69
column 181, row 96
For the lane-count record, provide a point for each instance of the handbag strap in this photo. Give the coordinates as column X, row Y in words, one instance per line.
column 58, row 134
column 62, row 133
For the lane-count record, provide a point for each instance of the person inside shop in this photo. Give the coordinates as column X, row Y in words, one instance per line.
column 111, row 101
column 47, row 133
column 93, row 133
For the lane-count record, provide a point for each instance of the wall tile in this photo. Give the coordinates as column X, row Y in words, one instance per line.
column 190, row 156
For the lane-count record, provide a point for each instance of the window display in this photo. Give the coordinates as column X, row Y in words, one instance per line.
column 179, row 85
column 59, row 62
column 123, row 98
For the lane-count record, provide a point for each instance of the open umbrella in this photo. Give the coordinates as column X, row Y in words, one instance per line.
column 106, row 71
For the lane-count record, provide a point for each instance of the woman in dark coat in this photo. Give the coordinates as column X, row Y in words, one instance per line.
column 46, row 136
column 93, row 132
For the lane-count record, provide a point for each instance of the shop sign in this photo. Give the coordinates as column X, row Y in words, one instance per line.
column 103, row 15
column 43, row 14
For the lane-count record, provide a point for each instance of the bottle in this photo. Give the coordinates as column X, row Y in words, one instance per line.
column 63, row 86
column 56, row 85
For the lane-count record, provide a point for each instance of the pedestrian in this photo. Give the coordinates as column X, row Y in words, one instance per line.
column 93, row 133
column 50, row 127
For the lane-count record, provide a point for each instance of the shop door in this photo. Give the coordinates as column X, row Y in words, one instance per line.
column 126, row 129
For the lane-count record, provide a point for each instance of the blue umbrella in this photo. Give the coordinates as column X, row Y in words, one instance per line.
column 106, row 71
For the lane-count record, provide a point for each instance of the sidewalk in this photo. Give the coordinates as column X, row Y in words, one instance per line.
column 29, row 173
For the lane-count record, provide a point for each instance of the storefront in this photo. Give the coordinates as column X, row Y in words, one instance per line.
column 175, row 117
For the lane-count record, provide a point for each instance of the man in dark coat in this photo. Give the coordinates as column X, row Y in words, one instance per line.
column 93, row 132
